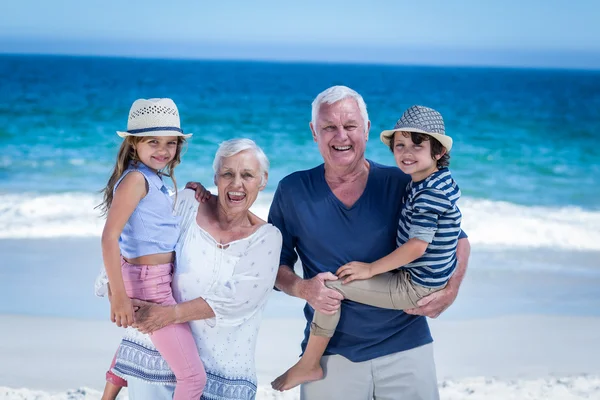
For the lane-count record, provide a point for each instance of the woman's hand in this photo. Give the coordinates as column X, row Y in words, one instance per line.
column 354, row 270
column 150, row 317
column 202, row 195
column 121, row 310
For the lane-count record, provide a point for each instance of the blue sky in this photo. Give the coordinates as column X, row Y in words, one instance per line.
column 509, row 32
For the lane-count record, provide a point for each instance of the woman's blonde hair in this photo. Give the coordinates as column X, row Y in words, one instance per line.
column 128, row 154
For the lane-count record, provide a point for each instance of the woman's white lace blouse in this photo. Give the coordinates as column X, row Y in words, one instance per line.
column 235, row 279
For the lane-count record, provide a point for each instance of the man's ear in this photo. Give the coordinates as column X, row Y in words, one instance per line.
column 312, row 129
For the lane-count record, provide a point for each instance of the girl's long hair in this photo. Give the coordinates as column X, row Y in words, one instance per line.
column 126, row 155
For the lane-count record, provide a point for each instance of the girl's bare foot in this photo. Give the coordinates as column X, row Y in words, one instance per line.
column 111, row 391
column 298, row 374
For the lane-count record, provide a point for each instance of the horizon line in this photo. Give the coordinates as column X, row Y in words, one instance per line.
column 274, row 60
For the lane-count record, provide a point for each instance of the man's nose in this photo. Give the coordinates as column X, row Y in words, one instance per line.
column 342, row 133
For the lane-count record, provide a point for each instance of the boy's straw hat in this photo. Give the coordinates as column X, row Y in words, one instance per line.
column 153, row 117
column 422, row 120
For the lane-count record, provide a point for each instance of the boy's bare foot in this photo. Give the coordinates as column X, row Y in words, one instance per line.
column 298, row 374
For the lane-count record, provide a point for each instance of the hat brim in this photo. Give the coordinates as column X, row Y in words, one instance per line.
column 155, row 133
column 445, row 140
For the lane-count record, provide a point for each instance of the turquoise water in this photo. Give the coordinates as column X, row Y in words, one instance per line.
column 528, row 137
column 526, row 157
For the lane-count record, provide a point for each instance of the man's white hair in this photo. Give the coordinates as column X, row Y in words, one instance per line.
column 333, row 95
column 234, row 146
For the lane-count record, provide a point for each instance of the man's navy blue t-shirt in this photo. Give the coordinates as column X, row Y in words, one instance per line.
column 326, row 235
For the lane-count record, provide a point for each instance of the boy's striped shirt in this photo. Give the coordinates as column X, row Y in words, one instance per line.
column 430, row 214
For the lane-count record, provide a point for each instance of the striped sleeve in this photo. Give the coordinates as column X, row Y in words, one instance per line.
column 428, row 205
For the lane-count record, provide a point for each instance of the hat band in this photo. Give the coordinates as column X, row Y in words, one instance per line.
column 159, row 128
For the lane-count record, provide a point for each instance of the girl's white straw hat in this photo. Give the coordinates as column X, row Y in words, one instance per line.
column 153, row 117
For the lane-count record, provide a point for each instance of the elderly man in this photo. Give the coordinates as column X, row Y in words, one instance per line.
column 347, row 209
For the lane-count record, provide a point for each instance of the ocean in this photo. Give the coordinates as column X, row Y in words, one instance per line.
column 526, row 153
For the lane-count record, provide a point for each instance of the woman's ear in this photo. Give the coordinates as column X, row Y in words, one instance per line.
column 264, row 184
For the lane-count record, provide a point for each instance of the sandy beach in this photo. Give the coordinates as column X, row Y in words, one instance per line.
column 512, row 357
column 521, row 328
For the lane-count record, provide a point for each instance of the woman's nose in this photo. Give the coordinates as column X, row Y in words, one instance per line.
column 237, row 180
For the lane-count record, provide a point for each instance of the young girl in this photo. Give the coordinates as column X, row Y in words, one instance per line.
column 140, row 236
column 427, row 237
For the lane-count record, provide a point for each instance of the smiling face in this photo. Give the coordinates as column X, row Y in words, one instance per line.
column 157, row 152
column 414, row 159
column 341, row 134
column 238, row 181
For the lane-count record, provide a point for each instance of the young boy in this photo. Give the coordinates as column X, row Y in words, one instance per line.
column 427, row 237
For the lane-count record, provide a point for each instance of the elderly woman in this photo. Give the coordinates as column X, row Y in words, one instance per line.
column 226, row 263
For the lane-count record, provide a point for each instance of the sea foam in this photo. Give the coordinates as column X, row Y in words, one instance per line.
column 488, row 223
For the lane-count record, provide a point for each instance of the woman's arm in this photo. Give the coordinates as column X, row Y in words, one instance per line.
column 251, row 282
column 129, row 193
column 150, row 317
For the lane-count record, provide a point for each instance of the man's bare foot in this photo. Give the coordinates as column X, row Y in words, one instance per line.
column 298, row 374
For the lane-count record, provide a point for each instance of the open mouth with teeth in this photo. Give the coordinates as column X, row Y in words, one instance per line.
column 341, row 148
column 236, row 197
column 408, row 162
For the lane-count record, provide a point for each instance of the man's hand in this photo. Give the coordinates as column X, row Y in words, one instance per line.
column 202, row 195
column 354, row 270
column 319, row 296
column 150, row 317
column 436, row 303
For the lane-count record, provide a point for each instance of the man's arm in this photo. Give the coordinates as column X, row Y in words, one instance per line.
column 436, row 303
column 313, row 291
